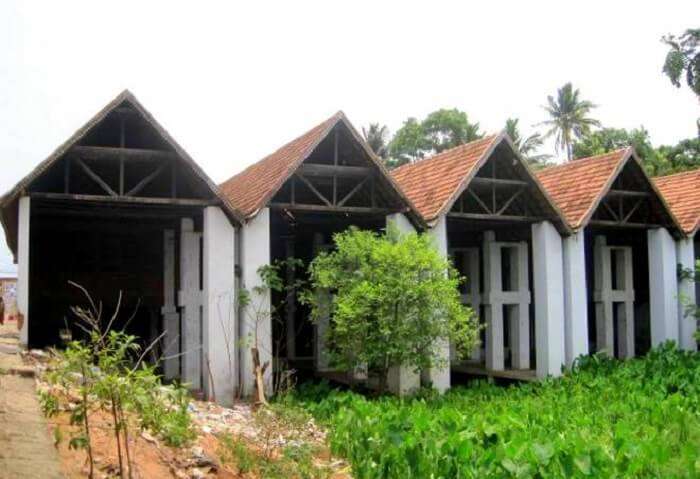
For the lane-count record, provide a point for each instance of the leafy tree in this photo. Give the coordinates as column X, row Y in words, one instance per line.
column 683, row 59
column 611, row 139
column 569, row 118
column 446, row 129
column 409, row 144
column 526, row 146
column 376, row 137
column 393, row 297
column 681, row 157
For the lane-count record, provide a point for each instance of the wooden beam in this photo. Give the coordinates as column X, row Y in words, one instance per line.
column 141, row 184
column 483, row 181
column 623, row 225
column 313, row 189
column 352, row 192
column 96, row 178
column 66, row 176
column 332, row 209
column 629, row 194
column 316, row 169
column 122, row 144
column 114, row 153
column 125, row 199
column 510, row 200
column 478, row 200
column 479, row 216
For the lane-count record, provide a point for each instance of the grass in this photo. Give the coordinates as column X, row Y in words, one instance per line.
column 640, row 418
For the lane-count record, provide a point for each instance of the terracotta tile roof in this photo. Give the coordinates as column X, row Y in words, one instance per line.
column 251, row 189
column 433, row 183
column 682, row 193
column 576, row 187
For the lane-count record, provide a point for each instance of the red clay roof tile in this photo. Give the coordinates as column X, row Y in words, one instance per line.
column 682, row 193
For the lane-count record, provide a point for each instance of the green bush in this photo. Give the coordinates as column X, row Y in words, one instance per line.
column 640, row 418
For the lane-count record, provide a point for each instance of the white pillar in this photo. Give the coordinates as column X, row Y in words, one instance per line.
column 171, row 318
column 255, row 252
column 219, row 306
column 493, row 309
column 685, row 250
column 625, row 307
column 190, row 299
column 549, row 298
column 575, row 300
column 602, row 296
column 23, row 267
column 519, row 314
column 439, row 376
column 402, row 380
column 663, row 286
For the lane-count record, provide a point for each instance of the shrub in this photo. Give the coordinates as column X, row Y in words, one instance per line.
column 639, row 418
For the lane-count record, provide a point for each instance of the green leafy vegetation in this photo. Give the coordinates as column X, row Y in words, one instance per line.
column 394, row 296
column 639, row 418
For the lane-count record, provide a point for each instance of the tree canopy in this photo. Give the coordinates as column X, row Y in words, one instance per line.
column 568, row 118
column 394, row 295
column 376, row 136
column 526, row 146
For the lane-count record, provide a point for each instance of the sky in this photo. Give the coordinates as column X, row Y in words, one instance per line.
column 233, row 81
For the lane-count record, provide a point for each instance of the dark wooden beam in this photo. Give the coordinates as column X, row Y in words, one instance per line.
column 315, row 169
column 313, row 189
column 483, row 181
column 486, row 217
column 352, row 192
column 628, row 194
column 66, row 176
column 125, row 199
column 96, row 178
column 619, row 224
column 114, row 153
column 141, row 184
column 332, row 209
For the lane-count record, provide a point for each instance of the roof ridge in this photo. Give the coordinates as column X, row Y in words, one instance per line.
column 678, row 173
column 585, row 160
column 489, row 137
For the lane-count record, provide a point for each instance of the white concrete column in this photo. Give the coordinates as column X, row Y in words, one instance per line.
column 171, row 318
column 549, row 298
column 23, row 266
column 190, row 300
column 439, row 376
column 602, row 296
column 402, row 380
column 519, row 314
column 493, row 309
column 625, row 308
column 255, row 252
column 219, row 306
column 575, row 300
column 685, row 250
column 663, row 286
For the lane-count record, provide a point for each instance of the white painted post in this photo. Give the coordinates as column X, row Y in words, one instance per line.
column 190, row 299
column 519, row 314
column 402, row 380
column 219, row 306
column 255, row 252
column 663, row 286
column 439, row 376
column 23, row 266
column 171, row 318
column 549, row 298
column 602, row 296
column 685, row 249
column 625, row 308
column 575, row 301
column 493, row 310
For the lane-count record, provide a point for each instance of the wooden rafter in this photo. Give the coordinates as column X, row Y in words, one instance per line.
column 96, row 178
column 114, row 153
column 313, row 189
column 142, row 184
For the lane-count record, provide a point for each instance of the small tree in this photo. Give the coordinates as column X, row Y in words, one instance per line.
column 393, row 297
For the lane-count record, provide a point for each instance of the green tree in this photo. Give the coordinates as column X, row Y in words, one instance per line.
column 447, row 128
column 680, row 157
column 683, row 59
column 376, row 136
column 526, row 146
column 393, row 297
column 610, row 139
column 409, row 144
column 569, row 118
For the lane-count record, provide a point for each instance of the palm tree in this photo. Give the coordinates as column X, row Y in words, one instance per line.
column 568, row 118
column 526, row 147
column 376, row 137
